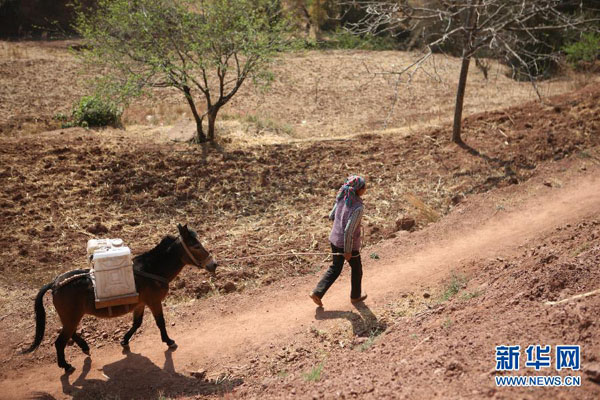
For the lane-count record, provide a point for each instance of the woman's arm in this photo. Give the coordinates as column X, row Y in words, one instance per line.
column 353, row 223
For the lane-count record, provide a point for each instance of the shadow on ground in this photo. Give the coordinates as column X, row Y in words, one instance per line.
column 364, row 323
column 136, row 377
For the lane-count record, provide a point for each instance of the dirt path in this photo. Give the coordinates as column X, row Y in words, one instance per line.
column 228, row 328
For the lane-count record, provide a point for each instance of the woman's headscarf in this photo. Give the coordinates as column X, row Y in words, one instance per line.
column 348, row 190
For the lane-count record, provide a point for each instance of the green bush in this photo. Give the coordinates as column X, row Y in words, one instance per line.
column 94, row 111
column 587, row 49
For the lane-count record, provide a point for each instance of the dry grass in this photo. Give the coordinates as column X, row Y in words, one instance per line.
column 426, row 212
column 339, row 93
column 315, row 95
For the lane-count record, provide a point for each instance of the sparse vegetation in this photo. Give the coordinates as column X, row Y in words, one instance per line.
column 59, row 186
column 583, row 248
column 455, row 283
column 282, row 373
column 447, row 323
column 92, row 111
column 373, row 334
column 314, row 375
column 260, row 125
column 471, row 295
column 584, row 154
column 502, row 29
column 426, row 212
column 162, row 396
column 201, row 48
column 319, row 333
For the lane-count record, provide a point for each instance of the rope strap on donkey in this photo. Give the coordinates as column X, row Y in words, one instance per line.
column 192, row 258
column 59, row 284
column 151, row 276
column 189, row 253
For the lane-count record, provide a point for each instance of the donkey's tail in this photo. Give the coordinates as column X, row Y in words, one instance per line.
column 40, row 318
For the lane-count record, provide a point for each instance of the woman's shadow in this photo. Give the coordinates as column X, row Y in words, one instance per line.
column 136, row 377
column 364, row 323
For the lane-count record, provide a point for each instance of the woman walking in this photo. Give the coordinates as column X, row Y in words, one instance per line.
column 345, row 239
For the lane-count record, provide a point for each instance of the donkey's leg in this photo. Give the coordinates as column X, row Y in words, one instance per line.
column 160, row 322
column 81, row 343
column 61, row 342
column 70, row 318
column 138, row 317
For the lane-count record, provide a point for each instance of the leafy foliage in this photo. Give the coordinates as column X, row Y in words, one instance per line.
column 93, row 111
column 587, row 49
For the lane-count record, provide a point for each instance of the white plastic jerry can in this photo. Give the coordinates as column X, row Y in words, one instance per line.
column 113, row 272
column 99, row 244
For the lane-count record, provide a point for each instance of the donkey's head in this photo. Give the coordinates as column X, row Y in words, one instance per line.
column 195, row 253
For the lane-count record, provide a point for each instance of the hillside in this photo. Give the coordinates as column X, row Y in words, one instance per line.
column 499, row 229
column 440, row 300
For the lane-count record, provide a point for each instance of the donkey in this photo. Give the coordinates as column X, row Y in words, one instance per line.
column 73, row 293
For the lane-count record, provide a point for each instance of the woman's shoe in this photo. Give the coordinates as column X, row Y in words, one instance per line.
column 316, row 299
column 358, row 300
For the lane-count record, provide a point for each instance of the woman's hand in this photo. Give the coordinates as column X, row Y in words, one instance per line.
column 347, row 256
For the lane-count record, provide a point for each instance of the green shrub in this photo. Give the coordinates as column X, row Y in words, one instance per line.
column 94, row 111
column 587, row 49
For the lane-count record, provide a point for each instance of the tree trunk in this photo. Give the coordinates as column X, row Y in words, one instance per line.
column 460, row 97
column 212, row 117
column 464, row 71
column 200, row 137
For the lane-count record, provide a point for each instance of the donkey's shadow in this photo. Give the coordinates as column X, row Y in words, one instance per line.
column 136, row 377
column 364, row 323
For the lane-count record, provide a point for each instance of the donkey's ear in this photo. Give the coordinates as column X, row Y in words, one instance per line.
column 182, row 230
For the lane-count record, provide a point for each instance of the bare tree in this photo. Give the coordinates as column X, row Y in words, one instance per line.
column 516, row 31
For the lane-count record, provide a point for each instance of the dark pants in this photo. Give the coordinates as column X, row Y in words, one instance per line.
column 336, row 269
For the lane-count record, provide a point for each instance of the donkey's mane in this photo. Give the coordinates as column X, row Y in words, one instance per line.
column 157, row 252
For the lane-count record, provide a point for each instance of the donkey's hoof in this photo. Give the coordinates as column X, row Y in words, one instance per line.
column 86, row 352
column 172, row 345
column 69, row 369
